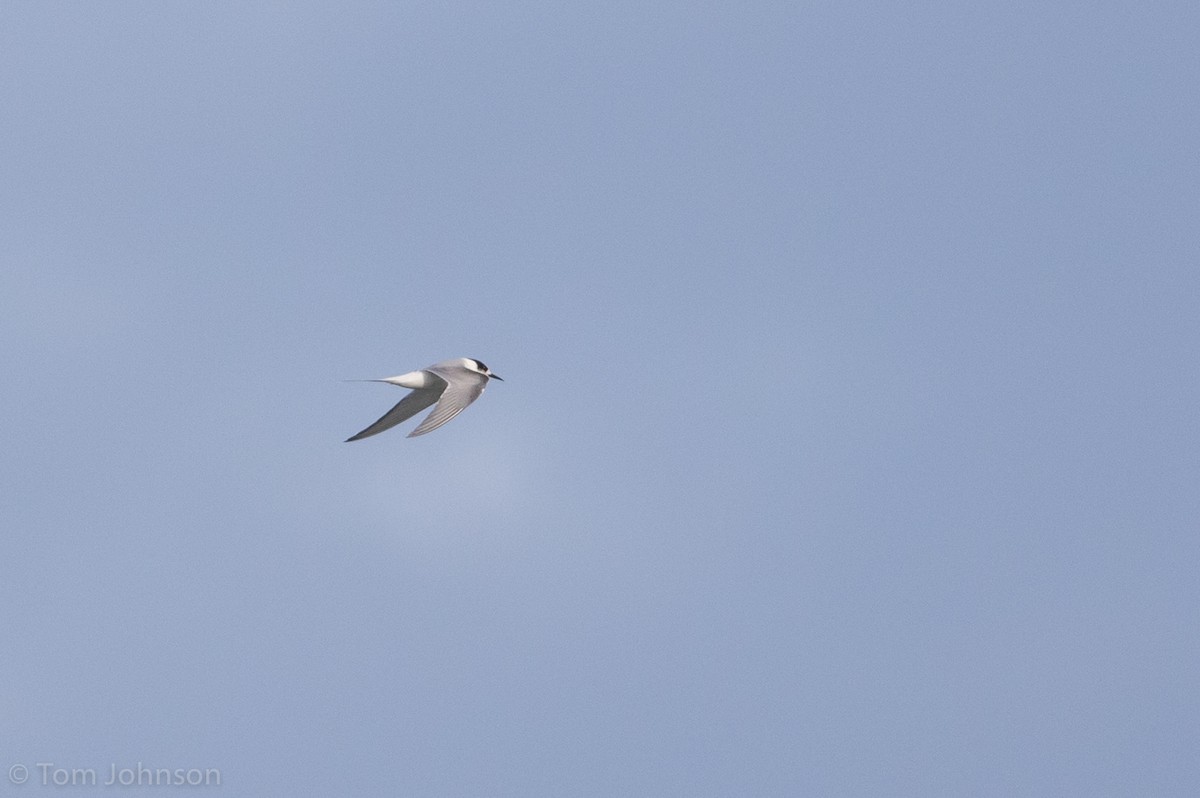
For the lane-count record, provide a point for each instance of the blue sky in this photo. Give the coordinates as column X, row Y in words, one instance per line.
column 848, row 443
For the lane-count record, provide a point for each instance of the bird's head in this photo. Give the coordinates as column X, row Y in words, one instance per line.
column 478, row 366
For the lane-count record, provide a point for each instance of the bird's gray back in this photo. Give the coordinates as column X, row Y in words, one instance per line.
column 463, row 387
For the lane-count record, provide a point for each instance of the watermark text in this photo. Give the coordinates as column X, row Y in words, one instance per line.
column 115, row 774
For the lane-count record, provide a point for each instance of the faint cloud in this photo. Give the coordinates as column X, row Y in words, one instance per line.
column 424, row 487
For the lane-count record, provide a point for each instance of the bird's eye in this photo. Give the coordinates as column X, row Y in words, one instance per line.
column 480, row 366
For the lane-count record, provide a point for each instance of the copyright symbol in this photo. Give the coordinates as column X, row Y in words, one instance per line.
column 18, row 774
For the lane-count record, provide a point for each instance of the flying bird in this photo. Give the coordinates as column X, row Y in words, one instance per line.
column 453, row 384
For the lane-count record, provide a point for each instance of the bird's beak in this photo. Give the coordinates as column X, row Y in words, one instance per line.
column 496, row 377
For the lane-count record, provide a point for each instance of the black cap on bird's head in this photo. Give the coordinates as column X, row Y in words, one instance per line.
column 485, row 370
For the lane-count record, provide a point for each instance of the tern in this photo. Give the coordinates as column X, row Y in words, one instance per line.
column 453, row 384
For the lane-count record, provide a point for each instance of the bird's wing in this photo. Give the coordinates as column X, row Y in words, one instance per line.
column 462, row 388
column 405, row 409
